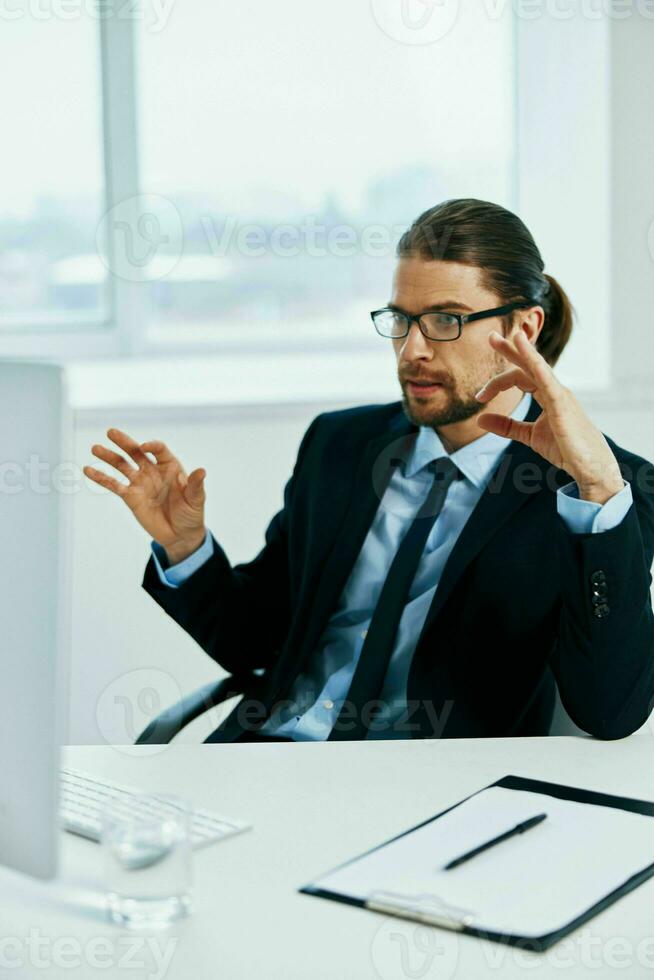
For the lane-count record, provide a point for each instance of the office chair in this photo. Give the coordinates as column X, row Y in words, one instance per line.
column 170, row 722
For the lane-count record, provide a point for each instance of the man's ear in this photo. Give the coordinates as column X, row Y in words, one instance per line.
column 530, row 322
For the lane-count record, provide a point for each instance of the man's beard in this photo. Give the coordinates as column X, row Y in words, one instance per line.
column 458, row 409
column 460, row 405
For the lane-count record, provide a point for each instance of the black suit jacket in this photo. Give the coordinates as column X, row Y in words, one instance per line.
column 521, row 600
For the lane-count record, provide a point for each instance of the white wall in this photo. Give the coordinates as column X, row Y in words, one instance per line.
column 125, row 651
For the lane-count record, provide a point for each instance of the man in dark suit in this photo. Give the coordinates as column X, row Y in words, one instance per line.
column 436, row 568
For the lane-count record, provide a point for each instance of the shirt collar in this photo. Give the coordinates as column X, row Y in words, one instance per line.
column 476, row 461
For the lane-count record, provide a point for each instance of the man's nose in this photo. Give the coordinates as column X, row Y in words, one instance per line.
column 416, row 346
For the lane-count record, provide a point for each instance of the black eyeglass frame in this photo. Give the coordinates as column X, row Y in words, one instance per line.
column 461, row 318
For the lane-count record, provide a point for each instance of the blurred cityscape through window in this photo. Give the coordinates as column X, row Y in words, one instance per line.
column 282, row 148
column 295, row 142
column 52, row 193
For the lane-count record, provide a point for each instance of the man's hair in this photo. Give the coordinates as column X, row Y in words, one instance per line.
column 499, row 244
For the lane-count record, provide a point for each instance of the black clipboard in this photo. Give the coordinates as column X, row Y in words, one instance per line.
column 538, row 943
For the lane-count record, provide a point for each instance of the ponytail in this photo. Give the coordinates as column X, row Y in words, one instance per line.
column 557, row 328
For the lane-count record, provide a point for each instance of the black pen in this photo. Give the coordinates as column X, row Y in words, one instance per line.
column 518, row 829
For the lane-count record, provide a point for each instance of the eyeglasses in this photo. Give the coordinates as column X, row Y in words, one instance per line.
column 434, row 326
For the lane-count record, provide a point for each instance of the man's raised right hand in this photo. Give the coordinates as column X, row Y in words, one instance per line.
column 164, row 500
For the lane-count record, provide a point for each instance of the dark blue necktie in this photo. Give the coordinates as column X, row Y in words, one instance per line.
column 378, row 645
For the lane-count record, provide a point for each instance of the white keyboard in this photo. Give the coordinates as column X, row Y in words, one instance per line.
column 83, row 798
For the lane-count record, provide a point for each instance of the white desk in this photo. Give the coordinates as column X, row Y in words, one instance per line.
column 313, row 806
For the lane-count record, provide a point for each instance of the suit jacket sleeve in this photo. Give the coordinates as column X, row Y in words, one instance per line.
column 239, row 615
column 603, row 659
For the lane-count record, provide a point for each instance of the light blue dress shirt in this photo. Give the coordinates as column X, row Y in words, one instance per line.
column 315, row 699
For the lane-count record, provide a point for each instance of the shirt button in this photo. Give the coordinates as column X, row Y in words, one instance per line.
column 364, row 634
column 328, row 704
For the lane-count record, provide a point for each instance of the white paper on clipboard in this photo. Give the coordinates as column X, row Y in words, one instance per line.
column 529, row 885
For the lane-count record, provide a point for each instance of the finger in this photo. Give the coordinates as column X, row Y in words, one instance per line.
column 507, row 427
column 539, row 367
column 525, row 356
column 108, row 482
column 130, row 446
column 508, row 350
column 193, row 486
column 159, row 450
column 512, row 377
column 114, row 459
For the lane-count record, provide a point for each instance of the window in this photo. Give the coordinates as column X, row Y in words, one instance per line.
column 52, row 190
column 261, row 161
column 284, row 147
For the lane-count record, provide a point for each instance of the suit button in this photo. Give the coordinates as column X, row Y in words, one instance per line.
column 601, row 611
column 600, row 589
column 598, row 600
column 598, row 577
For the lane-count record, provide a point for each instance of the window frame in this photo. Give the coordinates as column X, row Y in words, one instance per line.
column 124, row 331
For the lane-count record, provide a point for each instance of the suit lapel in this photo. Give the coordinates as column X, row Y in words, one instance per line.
column 366, row 489
column 502, row 497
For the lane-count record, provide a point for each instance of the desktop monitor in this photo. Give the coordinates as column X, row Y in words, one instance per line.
column 35, row 494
